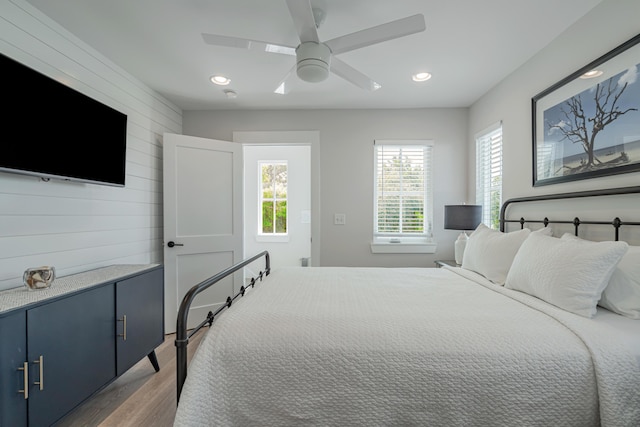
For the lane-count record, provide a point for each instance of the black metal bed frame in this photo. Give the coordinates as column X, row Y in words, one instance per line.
column 183, row 336
column 615, row 222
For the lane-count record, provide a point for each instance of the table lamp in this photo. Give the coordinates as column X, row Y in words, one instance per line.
column 462, row 217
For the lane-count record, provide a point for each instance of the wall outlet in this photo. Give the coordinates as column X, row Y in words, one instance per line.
column 339, row 219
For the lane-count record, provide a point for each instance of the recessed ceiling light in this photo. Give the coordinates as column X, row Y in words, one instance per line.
column 421, row 77
column 591, row 74
column 220, row 80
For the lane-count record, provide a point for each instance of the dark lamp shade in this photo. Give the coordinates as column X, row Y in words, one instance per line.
column 462, row 217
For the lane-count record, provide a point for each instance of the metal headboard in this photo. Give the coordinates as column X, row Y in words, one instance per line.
column 615, row 222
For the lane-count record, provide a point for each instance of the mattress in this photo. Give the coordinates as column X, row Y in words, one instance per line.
column 344, row 346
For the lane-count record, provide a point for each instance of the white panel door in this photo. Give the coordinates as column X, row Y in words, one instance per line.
column 203, row 182
column 290, row 249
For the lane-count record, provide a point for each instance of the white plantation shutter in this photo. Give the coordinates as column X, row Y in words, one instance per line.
column 489, row 174
column 403, row 189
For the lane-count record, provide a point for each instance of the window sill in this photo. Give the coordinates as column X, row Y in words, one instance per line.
column 403, row 248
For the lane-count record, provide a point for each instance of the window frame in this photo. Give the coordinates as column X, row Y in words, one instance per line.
column 261, row 235
column 385, row 242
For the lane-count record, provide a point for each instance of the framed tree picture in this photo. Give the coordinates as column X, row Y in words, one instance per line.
column 588, row 124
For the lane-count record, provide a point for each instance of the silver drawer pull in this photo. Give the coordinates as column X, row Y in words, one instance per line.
column 25, row 373
column 124, row 327
column 40, row 362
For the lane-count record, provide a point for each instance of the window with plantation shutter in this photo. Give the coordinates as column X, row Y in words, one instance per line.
column 403, row 204
column 489, row 174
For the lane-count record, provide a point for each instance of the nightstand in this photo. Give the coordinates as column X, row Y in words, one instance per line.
column 450, row 262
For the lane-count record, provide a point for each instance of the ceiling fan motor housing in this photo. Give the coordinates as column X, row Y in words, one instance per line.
column 313, row 61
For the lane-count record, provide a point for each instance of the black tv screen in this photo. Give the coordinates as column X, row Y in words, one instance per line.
column 53, row 131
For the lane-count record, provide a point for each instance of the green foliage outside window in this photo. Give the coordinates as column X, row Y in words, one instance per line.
column 496, row 202
column 274, row 198
column 401, row 196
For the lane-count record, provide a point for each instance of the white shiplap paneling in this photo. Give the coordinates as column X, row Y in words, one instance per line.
column 74, row 226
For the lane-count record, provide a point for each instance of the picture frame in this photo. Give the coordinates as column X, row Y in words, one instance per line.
column 588, row 124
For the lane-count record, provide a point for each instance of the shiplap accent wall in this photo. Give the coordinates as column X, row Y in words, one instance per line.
column 73, row 226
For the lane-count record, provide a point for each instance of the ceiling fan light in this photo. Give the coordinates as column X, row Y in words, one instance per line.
column 313, row 71
column 313, row 61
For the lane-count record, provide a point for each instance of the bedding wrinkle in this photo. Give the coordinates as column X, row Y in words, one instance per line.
column 613, row 343
column 329, row 346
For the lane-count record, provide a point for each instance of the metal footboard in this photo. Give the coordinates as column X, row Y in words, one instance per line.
column 183, row 336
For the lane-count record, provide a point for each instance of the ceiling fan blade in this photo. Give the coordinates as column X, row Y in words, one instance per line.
column 226, row 41
column 391, row 30
column 303, row 20
column 350, row 74
column 286, row 84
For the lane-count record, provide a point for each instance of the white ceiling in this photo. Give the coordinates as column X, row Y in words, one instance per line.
column 468, row 46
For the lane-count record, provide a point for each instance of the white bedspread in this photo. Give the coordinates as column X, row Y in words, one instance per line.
column 408, row 347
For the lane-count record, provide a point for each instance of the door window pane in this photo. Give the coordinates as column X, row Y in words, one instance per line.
column 273, row 200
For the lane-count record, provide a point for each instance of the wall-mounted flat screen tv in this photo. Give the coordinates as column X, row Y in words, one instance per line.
column 53, row 131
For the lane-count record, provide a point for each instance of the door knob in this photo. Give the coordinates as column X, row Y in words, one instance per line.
column 172, row 244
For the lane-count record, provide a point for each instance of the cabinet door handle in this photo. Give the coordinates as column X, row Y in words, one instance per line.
column 25, row 373
column 124, row 327
column 40, row 362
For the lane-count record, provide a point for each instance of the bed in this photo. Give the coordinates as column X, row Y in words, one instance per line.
column 519, row 337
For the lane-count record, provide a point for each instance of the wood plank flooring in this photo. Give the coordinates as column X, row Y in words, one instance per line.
column 140, row 397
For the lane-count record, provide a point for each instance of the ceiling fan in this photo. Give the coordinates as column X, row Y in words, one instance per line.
column 314, row 59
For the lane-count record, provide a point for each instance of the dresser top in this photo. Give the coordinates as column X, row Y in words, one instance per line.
column 20, row 297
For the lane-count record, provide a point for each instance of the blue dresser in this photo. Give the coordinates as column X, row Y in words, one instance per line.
column 63, row 344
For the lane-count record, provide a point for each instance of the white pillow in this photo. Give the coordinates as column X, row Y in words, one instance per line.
column 565, row 272
column 622, row 294
column 490, row 252
column 547, row 231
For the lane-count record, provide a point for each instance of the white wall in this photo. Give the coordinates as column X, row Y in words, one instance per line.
column 605, row 27
column 346, row 169
column 72, row 226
